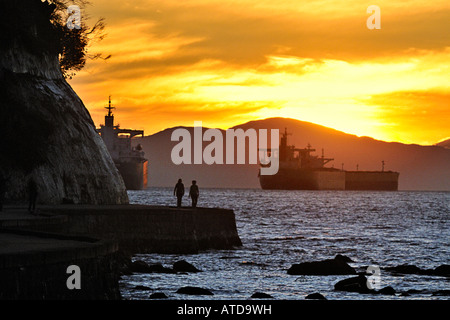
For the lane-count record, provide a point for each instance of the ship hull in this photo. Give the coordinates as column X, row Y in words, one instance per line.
column 371, row 180
column 320, row 179
column 304, row 179
column 134, row 174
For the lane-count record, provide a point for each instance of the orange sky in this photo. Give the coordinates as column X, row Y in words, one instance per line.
column 228, row 62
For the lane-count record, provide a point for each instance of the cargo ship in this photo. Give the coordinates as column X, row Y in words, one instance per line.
column 300, row 170
column 130, row 161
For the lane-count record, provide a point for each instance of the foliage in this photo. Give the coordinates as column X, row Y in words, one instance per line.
column 74, row 43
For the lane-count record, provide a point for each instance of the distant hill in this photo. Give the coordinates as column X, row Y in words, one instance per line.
column 420, row 167
column 445, row 144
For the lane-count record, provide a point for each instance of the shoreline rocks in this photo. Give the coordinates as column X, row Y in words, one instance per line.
column 197, row 291
column 442, row 270
column 315, row 296
column 140, row 266
column 261, row 295
column 336, row 266
column 183, row 266
column 359, row 284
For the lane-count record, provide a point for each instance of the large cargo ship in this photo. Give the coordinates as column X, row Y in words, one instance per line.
column 300, row 170
column 129, row 160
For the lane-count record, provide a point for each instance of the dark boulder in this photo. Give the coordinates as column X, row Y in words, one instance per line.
column 315, row 296
column 441, row 293
column 141, row 287
column 158, row 295
column 410, row 292
column 326, row 267
column 387, row 291
column 183, row 266
column 139, row 266
column 442, row 270
column 158, row 268
column 354, row 284
column 142, row 267
column 405, row 269
column 195, row 291
column 343, row 258
column 261, row 295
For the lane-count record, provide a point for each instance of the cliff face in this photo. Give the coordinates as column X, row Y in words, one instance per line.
column 46, row 132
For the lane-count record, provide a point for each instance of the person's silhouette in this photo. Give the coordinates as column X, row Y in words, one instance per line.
column 179, row 192
column 194, row 193
column 32, row 193
column 2, row 190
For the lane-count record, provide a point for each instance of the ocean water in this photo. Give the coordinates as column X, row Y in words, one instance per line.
column 280, row 228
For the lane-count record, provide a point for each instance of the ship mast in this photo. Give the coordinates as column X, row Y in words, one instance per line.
column 109, row 118
column 110, row 107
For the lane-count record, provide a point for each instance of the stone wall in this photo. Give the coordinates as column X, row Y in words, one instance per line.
column 41, row 273
column 144, row 229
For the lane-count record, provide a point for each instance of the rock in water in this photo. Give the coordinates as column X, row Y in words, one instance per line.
column 183, row 266
column 158, row 295
column 442, row 270
column 315, row 296
column 194, row 291
column 343, row 258
column 47, row 133
column 355, row 284
column 326, row 267
column 142, row 267
column 261, row 295
column 387, row 290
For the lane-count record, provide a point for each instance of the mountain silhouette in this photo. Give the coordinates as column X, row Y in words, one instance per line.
column 420, row 167
column 445, row 144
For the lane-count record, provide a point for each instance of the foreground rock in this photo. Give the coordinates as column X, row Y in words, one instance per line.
column 354, row 284
column 315, row 296
column 142, row 267
column 359, row 284
column 183, row 266
column 442, row 270
column 194, row 291
column 158, row 295
column 336, row 266
column 261, row 295
column 141, row 287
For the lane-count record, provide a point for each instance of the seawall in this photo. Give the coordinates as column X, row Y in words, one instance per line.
column 33, row 266
column 37, row 249
column 147, row 229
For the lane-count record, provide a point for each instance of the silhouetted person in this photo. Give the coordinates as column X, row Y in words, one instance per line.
column 194, row 193
column 32, row 194
column 179, row 192
column 2, row 191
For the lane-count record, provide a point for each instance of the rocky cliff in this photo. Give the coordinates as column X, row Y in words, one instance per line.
column 46, row 132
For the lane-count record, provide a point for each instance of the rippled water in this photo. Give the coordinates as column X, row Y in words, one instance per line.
column 280, row 228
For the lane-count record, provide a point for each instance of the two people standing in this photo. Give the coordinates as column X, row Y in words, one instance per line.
column 193, row 192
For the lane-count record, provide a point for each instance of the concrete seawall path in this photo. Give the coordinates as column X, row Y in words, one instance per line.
column 36, row 249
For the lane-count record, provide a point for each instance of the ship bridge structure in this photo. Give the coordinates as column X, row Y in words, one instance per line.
column 129, row 160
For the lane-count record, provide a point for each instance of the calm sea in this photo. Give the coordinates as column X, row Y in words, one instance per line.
column 280, row 228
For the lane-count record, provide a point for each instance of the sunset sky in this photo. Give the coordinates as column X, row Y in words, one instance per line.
column 228, row 62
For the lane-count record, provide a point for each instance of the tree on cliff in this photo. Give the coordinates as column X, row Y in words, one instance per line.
column 41, row 26
column 74, row 43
